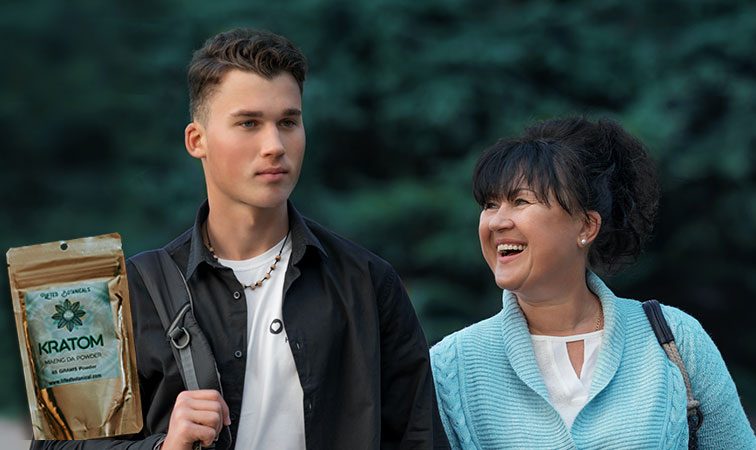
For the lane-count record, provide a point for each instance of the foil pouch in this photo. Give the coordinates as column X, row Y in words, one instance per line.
column 71, row 305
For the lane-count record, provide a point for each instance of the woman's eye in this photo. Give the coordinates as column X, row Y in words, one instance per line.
column 520, row 201
column 490, row 205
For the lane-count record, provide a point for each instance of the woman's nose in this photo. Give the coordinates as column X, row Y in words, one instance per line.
column 501, row 219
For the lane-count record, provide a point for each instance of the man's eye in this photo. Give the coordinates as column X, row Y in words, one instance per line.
column 248, row 124
column 289, row 123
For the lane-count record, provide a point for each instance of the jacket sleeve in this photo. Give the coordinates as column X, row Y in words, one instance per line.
column 725, row 424
column 97, row 444
column 409, row 415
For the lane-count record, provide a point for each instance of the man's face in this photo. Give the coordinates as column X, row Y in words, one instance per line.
column 252, row 140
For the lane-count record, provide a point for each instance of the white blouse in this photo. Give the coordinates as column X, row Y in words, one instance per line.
column 568, row 391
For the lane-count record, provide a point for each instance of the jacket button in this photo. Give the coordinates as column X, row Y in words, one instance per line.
column 308, row 405
column 238, row 353
column 298, row 344
column 237, row 295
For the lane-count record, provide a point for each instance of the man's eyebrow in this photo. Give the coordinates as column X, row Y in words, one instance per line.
column 246, row 113
column 249, row 113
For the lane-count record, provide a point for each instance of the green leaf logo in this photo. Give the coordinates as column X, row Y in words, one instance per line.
column 68, row 315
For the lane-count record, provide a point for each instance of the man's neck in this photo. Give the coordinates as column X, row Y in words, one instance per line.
column 243, row 232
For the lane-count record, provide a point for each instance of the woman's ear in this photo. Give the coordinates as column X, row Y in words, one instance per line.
column 194, row 140
column 590, row 228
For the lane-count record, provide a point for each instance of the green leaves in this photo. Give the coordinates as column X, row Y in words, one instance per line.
column 401, row 99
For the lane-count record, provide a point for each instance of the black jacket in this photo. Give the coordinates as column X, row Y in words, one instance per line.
column 360, row 353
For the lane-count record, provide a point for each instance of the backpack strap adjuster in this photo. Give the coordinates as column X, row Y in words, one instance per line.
column 177, row 334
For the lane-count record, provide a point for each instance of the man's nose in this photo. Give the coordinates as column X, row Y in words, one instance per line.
column 272, row 144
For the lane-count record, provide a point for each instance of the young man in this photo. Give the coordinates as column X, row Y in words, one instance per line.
column 316, row 342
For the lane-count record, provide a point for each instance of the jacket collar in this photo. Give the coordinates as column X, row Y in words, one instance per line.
column 301, row 238
column 519, row 348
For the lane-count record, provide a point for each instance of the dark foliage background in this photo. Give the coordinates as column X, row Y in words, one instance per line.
column 401, row 99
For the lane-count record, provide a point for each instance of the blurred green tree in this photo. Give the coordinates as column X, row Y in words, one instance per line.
column 401, row 99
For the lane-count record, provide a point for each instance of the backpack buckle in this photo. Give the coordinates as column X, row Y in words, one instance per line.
column 179, row 337
column 177, row 334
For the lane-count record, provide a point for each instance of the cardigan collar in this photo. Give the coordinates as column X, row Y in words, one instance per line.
column 519, row 348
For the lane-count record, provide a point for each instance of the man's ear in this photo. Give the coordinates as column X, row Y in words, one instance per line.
column 194, row 140
column 590, row 228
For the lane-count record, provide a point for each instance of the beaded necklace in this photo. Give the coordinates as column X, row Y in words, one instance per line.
column 259, row 282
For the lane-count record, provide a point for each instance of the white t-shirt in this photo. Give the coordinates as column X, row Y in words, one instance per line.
column 568, row 392
column 272, row 414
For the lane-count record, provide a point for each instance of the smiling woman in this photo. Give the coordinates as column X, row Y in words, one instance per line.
column 567, row 363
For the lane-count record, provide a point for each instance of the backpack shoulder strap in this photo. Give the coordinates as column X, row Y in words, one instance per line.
column 172, row 298
column 666, row 339
column 151, row 266
column 173, row 302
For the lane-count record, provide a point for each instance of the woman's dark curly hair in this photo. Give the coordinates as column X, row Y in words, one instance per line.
column 587, row 166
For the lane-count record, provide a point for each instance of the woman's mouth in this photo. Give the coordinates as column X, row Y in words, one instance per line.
column 509, row 249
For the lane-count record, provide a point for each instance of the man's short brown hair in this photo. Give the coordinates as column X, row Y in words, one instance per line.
column 261, row 52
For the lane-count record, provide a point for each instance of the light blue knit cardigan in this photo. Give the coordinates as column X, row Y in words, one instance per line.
column 491, row 394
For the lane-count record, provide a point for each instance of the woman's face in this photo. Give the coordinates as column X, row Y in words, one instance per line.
column 531, row 247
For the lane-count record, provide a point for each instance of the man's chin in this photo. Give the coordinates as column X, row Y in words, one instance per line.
column 266, row 198
column 268, row 203
column 267, row 206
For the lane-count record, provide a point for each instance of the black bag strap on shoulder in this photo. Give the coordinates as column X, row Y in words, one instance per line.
column 666, row 339
column 172, row 298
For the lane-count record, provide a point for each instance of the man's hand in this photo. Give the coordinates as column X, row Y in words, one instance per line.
column 197, row 416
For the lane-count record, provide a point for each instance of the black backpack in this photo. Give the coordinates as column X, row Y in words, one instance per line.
column 173, row 301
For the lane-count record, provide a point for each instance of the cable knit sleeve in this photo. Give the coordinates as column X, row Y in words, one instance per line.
column 725, row 424
column 445, row 367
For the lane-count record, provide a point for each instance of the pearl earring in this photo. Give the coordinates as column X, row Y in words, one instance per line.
column 583, row 242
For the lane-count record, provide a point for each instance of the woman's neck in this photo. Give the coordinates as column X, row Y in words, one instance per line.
column 573, row 312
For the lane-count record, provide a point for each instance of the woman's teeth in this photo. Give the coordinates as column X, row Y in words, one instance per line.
column 508, row 249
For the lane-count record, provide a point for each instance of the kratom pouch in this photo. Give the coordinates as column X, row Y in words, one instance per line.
column 71, row 304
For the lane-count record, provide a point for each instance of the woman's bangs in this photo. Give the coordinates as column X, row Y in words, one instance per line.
column 503, row 171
